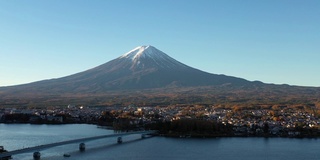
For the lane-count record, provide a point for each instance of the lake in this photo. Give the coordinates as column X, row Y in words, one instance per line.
column 17, row 136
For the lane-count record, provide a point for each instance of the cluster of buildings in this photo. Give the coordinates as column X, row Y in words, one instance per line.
column 50, row 115
column 245, row 122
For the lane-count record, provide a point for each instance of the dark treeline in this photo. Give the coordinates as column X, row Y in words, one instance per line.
column 192, row 128
column 35, row 119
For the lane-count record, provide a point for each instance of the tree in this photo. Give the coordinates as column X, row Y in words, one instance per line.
column 236, row 109
column 275, row 107
column 266, row 128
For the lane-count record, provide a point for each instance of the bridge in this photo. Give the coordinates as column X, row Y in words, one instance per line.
column 36, row 149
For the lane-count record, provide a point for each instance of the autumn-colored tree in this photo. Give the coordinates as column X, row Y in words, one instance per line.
column 317, row 104
column 236, row 109
column 275, row 107
column 272, row 113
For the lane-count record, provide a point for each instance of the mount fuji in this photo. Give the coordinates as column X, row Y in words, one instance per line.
column 144, row 67
column 147, row 70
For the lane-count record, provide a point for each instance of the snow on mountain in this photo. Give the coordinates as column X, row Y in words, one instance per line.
column 138, row 52
column 149, row 56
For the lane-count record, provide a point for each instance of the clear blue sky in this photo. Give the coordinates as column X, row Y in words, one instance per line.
column 274, row 41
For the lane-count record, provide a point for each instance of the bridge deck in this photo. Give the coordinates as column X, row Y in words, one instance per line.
column 81, row 140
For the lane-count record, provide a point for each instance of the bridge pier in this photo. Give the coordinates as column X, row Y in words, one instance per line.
column 119, row 140
column 82, row 147
column 36, row 155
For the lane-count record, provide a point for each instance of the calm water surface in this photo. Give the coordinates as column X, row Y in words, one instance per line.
column 17, row 136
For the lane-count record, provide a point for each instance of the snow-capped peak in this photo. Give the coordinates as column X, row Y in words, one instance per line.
column 141, row 51
column 149, row 56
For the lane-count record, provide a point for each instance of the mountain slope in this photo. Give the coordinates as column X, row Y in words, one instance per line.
column 146, row 75
column 144, row 67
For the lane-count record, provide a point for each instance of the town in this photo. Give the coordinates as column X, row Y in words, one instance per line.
column 261, row 120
